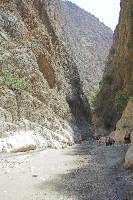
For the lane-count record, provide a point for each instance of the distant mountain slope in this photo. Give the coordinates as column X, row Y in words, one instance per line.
column 89, row 40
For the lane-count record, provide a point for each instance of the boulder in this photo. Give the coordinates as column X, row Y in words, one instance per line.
column 129, row 158
column 22, row 142
column 124, row 129
column 124, row 126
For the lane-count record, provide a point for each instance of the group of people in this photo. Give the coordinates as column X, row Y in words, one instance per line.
column 109, row 141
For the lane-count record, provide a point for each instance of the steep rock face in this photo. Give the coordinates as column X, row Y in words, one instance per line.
column 89, row 41
column 40, row 90
column 129, row 158
column 124, row 128
column 114, row 101
column 117, row 84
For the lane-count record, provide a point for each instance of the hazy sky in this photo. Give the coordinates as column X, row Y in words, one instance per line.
column 106, row 10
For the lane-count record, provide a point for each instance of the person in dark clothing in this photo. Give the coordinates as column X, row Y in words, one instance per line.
column 98, row 140
column 109, row 141
column 127, row 139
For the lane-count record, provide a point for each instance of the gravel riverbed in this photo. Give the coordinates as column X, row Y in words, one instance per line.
column 81, row 172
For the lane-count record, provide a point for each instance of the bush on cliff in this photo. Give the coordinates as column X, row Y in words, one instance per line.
column 15, row 82
column 121, row 100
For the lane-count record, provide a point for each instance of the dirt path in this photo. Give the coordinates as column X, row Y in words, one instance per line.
column 81, row 172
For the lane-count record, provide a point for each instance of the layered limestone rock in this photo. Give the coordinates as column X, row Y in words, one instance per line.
column 89, row 41
column 117, row 83
column 124, row 128
column 115, row 99
column 40, row 90
column 129, row 158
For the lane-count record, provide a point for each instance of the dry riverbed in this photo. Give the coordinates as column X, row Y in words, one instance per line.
column 81, row 172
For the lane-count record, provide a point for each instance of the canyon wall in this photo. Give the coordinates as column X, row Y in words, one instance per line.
column 117, row 84
column 89, row 41
column 42, row 103
column 40, row 90
column 114, row 104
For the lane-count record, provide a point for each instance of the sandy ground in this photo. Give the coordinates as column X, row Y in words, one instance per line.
column 81, row 172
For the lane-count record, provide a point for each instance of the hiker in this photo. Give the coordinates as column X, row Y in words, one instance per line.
column 127, row 139
column 98, row 141
column 109, row 141
column 113, row 141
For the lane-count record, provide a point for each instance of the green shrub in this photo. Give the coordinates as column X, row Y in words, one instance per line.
column 121, row 100
column 107, row 62
column 66, row 45
column 107, row 79
column 112, row 51
column 93, row 98
column 14, row 82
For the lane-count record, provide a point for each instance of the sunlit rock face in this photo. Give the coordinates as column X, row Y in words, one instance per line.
column 124, row 126
column 40, row 89
column 89, row 41
column 129, row 158
column 124, row 129
column 118, row 76
column 115, row 100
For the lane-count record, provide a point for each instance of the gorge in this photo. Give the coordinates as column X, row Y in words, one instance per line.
column 65, row 78
column 47, row 70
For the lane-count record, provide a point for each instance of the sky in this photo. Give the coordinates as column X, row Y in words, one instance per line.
column 106, row 10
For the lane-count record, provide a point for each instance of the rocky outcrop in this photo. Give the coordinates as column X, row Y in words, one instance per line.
column 124, row 129
column 115, row 99
column 40, row 89
column 129, row 158
column 117, row 84
column 124, row 126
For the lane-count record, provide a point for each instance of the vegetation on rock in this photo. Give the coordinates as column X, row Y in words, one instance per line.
column 107, row 79
column 117, row 84
column 121, row 100
column 93, row 98
column 15, row 82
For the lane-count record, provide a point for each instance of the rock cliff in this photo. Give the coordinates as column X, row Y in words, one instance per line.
column 43, row 65
column 114, row 104
column 117, row 84
column 89, row 41
column 40, row 90
column 124, row 129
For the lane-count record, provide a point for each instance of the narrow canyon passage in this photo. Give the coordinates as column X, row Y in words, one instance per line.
column 81, row 172
column 65, row 76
